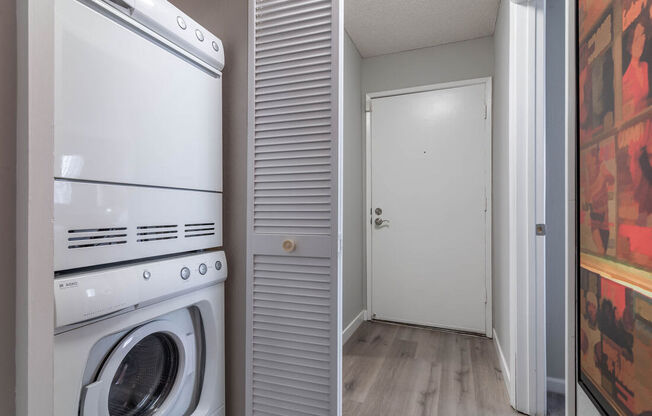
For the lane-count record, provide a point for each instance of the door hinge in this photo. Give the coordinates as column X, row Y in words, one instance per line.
column 540, row 229
column 339, row 243
column 486, row 110
column 486, row 203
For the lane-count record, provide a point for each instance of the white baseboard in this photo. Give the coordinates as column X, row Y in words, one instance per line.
column 353, row 326
column 556, row 385
column 507, row 377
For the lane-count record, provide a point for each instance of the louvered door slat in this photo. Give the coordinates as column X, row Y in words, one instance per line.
column 292, row 66
column 292, row 18
column 285, row 5
column 309, row 32
column 293, row 325
column 298, row 57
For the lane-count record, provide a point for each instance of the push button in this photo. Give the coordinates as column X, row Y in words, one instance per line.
column 218, row 265
column 181, row 23
column 200, row 35
column 185, row 273
column 203, row 269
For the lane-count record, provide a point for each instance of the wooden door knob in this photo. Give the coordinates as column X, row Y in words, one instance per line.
column 289, row 246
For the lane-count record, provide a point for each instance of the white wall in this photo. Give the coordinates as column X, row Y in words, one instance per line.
column 555, row 184
column 228, row 20
column 7, row 203
column 353, row 264
column 501, row 218
column 585, row 406
column 445, row 63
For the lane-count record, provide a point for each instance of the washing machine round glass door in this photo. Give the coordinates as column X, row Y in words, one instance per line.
column 145, row 374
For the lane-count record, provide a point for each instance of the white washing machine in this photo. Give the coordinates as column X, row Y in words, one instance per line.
column 142, row 340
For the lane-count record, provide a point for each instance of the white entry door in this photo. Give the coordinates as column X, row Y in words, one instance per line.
column 430, row 197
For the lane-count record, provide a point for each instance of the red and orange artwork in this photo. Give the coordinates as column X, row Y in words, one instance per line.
column 637, row 57
column 615, row 343
column 615, row 204
column 635, row 194
column 596, row 81
column 597, row 198
column 589, row 11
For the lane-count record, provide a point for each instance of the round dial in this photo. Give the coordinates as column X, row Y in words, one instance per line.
column 185, row 273
column 181, row 22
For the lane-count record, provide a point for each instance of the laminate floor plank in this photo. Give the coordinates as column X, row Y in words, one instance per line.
column 396, row 370
column 457, row 395
column 491, row 395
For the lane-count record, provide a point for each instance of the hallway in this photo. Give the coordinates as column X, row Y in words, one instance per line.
column 398, row 370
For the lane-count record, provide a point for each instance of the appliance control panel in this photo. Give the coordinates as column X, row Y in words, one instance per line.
column 88, row 296
column 168, row 21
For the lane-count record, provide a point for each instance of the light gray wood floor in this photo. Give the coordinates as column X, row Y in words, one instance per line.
column 392, row 370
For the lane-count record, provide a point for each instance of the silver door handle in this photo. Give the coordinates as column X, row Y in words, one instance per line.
column 379, row 221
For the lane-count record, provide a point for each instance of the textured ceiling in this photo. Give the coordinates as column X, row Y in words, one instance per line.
column 379, row 27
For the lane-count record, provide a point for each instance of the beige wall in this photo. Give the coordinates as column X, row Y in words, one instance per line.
column 501, row 219
column 228, row 20
column 7, row 203
column 353, row 235
column 446, row 63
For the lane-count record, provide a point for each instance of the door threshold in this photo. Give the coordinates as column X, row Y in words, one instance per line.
column 431, row 328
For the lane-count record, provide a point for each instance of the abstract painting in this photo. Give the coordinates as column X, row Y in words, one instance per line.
column 615, row 204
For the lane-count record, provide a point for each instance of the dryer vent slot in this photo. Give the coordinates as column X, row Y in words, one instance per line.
column 96, row 237
column 147, row 233
column 97, row 230
column 144, row 240
column 200, row 229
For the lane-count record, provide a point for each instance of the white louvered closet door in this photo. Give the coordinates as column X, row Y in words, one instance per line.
column 293, row 291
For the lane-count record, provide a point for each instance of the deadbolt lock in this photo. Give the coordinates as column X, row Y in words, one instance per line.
column 378, row 211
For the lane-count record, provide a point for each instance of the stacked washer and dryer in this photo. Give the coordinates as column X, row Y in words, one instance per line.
column 139, row 271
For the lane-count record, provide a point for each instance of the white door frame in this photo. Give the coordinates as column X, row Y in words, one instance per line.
column 522, row 141
column 487, row 82
column 35, row 208
column 541, row 375
column 527, row 359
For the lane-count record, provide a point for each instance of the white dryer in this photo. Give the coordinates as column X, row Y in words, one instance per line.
column 142, row 340
column 137, row 133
